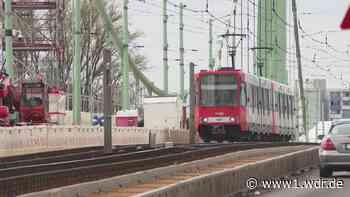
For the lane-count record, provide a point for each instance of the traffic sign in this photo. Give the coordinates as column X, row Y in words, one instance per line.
column 346, row 22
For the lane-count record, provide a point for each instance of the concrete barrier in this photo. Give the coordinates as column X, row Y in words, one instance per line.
column 232, row 181
column 221, row 183
column 47, row 137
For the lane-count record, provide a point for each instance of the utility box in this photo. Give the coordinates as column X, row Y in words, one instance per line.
column 128, row 118
column 162, row 112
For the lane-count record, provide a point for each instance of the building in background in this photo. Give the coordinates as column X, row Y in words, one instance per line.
column 316, row 101
column 339, row 103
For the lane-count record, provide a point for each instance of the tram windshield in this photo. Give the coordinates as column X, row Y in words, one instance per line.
column 32, row 94
column 218, row 90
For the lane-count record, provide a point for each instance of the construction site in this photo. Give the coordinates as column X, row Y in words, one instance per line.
column 37, row 85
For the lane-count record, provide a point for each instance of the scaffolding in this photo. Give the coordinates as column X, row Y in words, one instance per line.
column 38, row 38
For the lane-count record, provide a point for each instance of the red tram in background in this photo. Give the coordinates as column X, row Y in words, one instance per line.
column 235, row 106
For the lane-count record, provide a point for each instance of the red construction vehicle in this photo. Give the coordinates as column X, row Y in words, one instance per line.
column 34, row 103
column 24, row 105
column 4, row 94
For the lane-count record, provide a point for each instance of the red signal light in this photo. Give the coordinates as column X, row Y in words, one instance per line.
column 346, row 22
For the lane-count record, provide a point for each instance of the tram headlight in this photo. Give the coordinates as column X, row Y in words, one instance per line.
column 232, row 119
column 205, row 120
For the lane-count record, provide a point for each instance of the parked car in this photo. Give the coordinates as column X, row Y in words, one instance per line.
column 335, row 149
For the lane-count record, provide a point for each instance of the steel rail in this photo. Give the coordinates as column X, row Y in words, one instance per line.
column 101, row 159
column 69, row 156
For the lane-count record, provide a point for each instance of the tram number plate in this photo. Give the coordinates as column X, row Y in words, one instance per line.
column 219, row 119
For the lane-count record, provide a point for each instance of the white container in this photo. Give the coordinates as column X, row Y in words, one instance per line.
column 162, row 112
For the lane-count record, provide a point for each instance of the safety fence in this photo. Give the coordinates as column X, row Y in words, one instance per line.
column 58, row 137
column 88, row 104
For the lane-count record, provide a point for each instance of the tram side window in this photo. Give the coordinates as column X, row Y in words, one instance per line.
column 268, row 100
column 292, row 106
column 259, row 99
column 243, row 95
column 257, row 93
column 288, row 105
column 196, row 93
column 276, row 102
column 248, row 95
column 284, row 105
column 279, row 105
column 253, row 98
column 263, row 100
column 275, row 107
column 272, row 100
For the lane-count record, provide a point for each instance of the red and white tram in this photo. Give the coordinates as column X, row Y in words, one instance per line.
column 235, row 106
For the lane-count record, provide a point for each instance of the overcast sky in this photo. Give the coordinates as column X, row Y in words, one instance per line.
column 323, row 16
column 319, row 18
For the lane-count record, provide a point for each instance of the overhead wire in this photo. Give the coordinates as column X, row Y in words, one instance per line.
column 251, row 32
column 315, row 64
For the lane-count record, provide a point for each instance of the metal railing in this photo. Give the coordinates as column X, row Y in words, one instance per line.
column 88, row 104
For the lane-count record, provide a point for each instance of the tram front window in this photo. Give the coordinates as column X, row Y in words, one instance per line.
column 218, row 90
column 32, row 97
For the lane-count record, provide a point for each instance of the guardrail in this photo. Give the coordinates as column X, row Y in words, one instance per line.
column 48, row 137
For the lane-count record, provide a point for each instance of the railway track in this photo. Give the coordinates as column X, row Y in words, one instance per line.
column 47, row 154
column 170, row 179
column 65, row 155
column 30, row 178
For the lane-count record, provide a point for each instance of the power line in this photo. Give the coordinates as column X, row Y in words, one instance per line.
column 326, row 43
column 220, row 20
column 316, row 65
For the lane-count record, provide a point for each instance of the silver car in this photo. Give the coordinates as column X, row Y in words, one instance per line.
column 335, row 150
